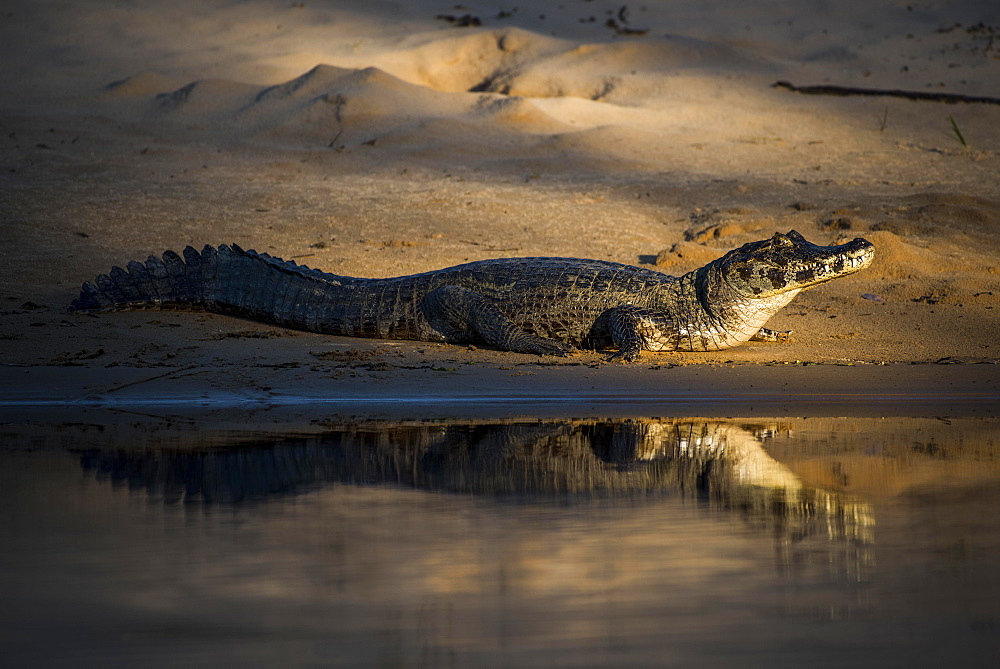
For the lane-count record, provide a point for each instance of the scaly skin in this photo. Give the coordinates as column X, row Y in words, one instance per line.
column 527, row 305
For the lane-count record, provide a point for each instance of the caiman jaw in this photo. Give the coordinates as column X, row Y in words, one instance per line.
column 857, row 255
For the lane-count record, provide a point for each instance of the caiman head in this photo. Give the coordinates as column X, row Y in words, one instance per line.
column 788, row 262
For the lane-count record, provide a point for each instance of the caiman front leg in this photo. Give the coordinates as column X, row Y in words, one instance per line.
column 634, row 329
column 461, row 315
column 772, row 335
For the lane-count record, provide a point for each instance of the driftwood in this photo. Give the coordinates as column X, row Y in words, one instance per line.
column 950, row 98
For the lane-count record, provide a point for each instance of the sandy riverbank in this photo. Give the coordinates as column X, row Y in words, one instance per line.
column 389, row 140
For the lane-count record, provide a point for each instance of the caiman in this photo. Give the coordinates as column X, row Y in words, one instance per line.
column 528, row 305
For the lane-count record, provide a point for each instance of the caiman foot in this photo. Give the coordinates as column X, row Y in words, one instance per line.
column 625, row 355
column 634, row 329
column 540, row 346
column 783, row 336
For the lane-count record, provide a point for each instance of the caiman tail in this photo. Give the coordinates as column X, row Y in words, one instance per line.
column 224, row 280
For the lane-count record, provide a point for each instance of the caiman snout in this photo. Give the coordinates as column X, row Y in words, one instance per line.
column 860, row 253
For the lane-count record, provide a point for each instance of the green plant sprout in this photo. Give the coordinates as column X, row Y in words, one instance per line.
column 958, row 133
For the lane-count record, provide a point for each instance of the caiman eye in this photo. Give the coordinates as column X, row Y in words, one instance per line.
column 781, row 240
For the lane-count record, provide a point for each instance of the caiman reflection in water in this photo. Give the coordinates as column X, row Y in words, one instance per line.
column 722, row 463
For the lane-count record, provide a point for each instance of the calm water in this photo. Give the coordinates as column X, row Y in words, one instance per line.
column 130, row 540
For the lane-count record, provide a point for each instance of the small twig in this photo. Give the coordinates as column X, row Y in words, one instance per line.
column 909, row 95
column 137, row 382
column 882, row 119
column 165, row 419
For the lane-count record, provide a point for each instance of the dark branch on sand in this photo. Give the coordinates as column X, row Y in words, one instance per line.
column 950, row 98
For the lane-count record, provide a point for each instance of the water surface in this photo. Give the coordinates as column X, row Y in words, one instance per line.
column 141, row 540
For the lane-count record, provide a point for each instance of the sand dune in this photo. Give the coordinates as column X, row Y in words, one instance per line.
column 664, row 102
column 519, row 62
column 331, row 107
